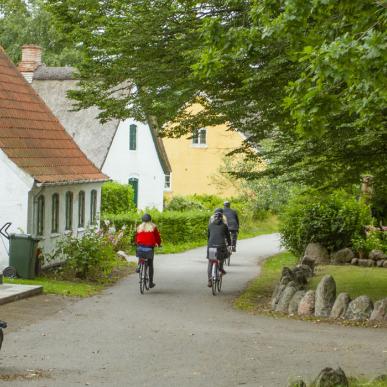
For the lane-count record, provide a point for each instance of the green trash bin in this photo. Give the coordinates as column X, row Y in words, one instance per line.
column 22, row 254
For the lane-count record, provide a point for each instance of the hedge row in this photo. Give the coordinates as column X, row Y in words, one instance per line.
column 175, row 227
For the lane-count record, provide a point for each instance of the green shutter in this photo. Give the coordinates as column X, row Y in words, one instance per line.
column 132, row 137
column 134, row 183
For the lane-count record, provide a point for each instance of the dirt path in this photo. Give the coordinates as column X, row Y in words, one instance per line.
column 176, row 335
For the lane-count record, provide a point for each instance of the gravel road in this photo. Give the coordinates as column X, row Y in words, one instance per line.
column 177, row 334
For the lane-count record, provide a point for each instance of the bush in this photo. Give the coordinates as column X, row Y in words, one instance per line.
column 117, row 198
column 90, row 257
column 181, row 203
column 174, row 226
column 334, row 221
column 374, row 240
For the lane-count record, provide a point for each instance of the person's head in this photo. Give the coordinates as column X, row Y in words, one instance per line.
column 227, row 204
column 146, row 218
column 218, row 213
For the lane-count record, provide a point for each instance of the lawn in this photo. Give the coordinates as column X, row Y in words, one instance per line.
column 354, row 280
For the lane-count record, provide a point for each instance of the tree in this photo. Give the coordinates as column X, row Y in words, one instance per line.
column 23, row 22
column 304, row 79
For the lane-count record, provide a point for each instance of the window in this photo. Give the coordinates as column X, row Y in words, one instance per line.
column 69, row 210
column 40, row 218
column 81, row 209
column 93, row 207
column 199, row 137
column 132, row 137
column 167, row 182
column 55, row 213
column 134, row 183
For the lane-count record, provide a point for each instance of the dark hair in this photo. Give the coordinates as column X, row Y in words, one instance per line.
column 218, row 210
column 146, row 218
column 226, row 203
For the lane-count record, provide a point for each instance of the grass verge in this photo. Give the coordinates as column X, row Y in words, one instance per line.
column 75, row 287
column 350, row 279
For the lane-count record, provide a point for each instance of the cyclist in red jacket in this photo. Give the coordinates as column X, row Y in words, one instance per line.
column 147, row 237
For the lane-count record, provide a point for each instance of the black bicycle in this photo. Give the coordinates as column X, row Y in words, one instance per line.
column 144, row 275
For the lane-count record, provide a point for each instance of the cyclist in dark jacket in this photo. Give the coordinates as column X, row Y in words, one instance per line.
column 232, row 222
column 218, row 242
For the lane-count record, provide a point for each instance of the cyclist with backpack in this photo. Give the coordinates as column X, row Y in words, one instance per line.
column 232, row 222
column 147, row 237
column 218, row 242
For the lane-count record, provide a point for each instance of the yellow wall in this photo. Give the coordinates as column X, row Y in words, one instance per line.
column 194, row 167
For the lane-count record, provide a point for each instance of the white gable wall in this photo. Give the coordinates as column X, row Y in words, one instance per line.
column 143, row 163
column 14, row 188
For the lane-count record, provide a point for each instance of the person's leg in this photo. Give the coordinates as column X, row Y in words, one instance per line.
column 209, row 273
column 234, row 236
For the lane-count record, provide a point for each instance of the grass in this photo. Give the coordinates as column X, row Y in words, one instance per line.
column 353, row 280
column 75, row 287
column 354, row 382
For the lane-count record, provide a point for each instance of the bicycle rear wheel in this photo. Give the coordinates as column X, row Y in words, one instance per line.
column 146, row 276
column 215, row 276
column 142, row 277
column 219, row 282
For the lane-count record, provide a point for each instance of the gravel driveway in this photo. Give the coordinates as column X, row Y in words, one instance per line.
column 178, row 334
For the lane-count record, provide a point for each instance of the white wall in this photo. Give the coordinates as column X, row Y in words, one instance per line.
column 14, row 188
column 49, row 239
column 142, row 163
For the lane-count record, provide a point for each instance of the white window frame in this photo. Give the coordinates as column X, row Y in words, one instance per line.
column 168, row 182
column 197, row 138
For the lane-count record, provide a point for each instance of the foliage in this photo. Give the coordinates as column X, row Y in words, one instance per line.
column 180, row 203
column 24, row 22
column 117, row 198
column 333, row 220
column 373, row 240
column 90, row 257
column 175, row 227
column 304, row 80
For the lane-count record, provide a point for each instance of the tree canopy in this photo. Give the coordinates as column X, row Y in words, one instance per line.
column 305, row 80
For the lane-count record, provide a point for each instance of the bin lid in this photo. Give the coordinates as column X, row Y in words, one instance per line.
column 21, row 236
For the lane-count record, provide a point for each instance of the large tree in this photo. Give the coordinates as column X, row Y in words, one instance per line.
column 28, row 22
column 304, row 79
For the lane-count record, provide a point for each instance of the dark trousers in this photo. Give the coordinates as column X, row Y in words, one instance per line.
column 234, row 237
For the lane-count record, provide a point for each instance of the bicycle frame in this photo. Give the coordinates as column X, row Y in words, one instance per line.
column 144, row 276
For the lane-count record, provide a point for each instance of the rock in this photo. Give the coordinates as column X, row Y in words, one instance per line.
column 355, row 261
column 380, row 263
column 308, row 272
column 325, row 296
column 385, row 264
column 380, row 310
column 301, row 276
column 286, row 296
column 329, row 377
column 295, row 301
column 276, row 295
column 377, row 255
column 318, row 253
column 306, row 306
column 366, row 262
column 342, row 256
column 340, row 306
column 359, row 309
column 308, row 262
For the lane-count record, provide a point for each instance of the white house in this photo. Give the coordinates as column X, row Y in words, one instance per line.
column 48, row 187
column 126, row 150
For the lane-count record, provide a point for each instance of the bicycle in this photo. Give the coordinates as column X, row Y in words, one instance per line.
column 144, row 274
column 228, row 259
column 216, row 277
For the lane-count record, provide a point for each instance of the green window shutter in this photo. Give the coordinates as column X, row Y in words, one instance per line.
column 69, row 210
column 93, row 207
column 55, row 213
column 40, row 219
column 134, row 183
column 132, row 137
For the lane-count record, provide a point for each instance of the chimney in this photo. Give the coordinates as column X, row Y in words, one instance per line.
column 31, row 60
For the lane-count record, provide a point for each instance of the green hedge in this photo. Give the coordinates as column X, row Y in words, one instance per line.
column 175, row 227
column 117, row 198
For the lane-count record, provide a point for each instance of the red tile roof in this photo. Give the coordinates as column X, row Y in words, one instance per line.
column 33, row 138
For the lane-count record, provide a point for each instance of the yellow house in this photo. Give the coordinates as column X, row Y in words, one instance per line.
column 196, row 161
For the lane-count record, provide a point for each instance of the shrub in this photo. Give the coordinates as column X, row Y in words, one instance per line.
column 181, row 203
column 90, row 257
column 117, row 198
column 374, row 240
column 175, row 227
column 332, row 220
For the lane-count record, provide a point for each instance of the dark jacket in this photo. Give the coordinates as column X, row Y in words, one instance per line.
column 232, row 219
column 218, row 234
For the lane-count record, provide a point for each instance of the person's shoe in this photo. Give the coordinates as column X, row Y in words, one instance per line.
column 152, row 285
column 209, row 283
column 137, row 269
column 223, row 272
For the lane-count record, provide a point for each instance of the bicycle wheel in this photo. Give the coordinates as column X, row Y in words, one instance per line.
column 142, row 277
column 219, row 282
column 215, row 274
column 146, row 276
